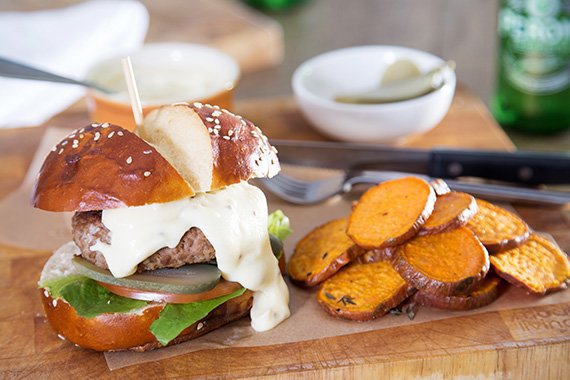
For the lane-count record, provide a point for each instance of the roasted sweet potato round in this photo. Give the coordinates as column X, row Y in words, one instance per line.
column 322, row 253
column 498, row 229
column 483, row 294
column 452, row 210
column 443, row 264
column 391, row 212
column 537, row 265
column 363, row 291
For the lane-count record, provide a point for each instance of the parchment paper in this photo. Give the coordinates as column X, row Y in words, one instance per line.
column 23, row 226
column 307, row 321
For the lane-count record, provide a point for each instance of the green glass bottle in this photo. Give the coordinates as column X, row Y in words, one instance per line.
column 274, row 5
column 533, row 83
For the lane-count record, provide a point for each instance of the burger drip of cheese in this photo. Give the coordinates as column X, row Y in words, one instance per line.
column 234, row 220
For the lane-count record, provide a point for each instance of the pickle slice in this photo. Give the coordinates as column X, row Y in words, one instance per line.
column 188, row 279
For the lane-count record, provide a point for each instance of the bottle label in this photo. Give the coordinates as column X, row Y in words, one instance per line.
column 535, row 37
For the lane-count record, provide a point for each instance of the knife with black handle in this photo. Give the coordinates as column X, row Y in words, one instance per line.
column 517, row 167
column 528, row 168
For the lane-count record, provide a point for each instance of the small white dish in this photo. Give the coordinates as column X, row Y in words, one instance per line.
column 320, row 79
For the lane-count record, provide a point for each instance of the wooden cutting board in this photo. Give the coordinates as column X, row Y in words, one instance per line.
column 530, row 343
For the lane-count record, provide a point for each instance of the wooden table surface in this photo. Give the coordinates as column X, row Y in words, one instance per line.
column 531, row 343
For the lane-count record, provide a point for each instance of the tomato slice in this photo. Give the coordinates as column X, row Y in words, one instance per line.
column 221, row 289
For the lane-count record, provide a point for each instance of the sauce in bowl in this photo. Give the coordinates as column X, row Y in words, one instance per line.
column 165, row 73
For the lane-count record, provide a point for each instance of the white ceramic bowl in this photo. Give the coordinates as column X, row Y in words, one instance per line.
column 317, row 81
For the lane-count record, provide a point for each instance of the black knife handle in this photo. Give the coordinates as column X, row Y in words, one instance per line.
column 519, row 167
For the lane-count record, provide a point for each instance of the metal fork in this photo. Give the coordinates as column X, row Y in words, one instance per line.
column 307, row 192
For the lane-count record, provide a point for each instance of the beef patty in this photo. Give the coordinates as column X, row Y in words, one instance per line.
column 88, row 229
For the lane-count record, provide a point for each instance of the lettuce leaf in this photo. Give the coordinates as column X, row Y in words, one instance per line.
column 56, row 284
column 88, row 298
column 174, row 318
column 278, row 225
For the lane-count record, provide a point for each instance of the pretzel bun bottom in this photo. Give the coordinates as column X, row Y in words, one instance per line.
column 131, row 331
column 121, row 331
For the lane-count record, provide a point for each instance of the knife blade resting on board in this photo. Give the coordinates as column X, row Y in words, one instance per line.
column 529, row 168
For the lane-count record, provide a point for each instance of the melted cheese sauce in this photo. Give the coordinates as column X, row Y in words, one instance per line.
column 235, row 222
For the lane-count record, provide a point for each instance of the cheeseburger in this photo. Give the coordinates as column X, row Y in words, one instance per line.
column 170, row 241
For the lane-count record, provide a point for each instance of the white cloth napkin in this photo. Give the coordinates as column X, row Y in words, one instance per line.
column 67, row 42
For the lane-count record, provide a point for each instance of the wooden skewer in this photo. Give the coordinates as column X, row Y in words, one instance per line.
column 133, row 92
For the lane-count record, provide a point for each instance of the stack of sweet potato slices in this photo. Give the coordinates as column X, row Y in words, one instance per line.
column 404, row 242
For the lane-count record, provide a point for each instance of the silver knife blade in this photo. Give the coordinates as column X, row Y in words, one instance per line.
column 336, row 155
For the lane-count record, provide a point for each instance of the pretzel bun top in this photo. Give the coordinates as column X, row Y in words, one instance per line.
column 211, row 147
column 104, row 166
column 189, row 148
